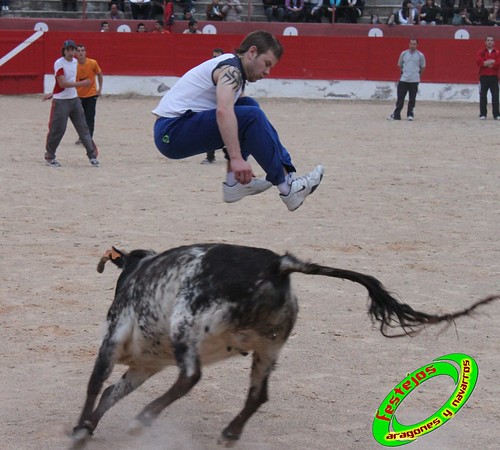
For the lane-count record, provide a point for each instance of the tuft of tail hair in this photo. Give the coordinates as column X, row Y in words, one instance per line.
column 384, row 309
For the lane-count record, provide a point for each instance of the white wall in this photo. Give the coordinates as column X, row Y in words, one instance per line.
column 281, row 88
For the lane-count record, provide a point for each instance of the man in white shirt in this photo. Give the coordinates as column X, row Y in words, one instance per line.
column 207, row 110
column 66, row 104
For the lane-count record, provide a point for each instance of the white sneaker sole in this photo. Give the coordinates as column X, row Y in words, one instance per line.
column 238, row 191
column 293, row 206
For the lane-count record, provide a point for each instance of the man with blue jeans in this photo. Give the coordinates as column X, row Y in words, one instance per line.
column 206, row 110
column 412, row 65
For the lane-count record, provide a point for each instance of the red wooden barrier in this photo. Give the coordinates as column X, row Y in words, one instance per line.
column 305, row 57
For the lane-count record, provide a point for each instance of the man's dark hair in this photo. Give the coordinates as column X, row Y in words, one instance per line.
column 264, row 41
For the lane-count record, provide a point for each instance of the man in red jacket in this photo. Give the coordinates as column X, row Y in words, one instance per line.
column 488, row 61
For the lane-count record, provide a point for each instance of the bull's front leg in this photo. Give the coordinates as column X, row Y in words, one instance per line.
column 102, row 370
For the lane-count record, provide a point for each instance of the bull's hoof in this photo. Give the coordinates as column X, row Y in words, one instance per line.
column 228, row 438
column 80, row 437
column 138, row 425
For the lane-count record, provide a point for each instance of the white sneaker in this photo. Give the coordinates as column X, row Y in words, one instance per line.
column 482, row 117
column 301, row 187
column 236, row 192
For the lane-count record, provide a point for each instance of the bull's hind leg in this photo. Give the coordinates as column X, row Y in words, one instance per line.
column 190, row 373
column 262, row 365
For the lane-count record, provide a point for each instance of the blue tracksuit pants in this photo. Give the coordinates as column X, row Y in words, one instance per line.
column 197, row 133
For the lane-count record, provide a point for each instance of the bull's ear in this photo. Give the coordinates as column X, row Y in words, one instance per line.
column 115, row 254
column 118, row 257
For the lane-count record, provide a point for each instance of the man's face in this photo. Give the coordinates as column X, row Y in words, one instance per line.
column 413, row 45
column 490, row 42
column 258, row 66
column 81, row 53
column 105, row 27
column 69, row 53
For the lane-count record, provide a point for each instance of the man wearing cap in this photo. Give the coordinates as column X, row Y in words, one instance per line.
column 66, row 104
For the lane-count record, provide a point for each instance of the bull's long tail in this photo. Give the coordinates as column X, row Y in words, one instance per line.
column 384, row 308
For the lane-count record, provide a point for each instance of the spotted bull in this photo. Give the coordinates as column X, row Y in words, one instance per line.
column 198, row 304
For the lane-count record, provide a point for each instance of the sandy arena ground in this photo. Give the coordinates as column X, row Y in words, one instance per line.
column 415, row 204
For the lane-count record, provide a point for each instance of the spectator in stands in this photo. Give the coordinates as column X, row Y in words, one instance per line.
column 156, row 12
column 274, row 9
column 447, row 10
column 186, row 5
column 479, row 14
column 120, row 3
column 469, row 4
column 313, row 10
column 407, row 15
column 214, row 11
column 430, row 13
column 5, row 5
column 114, row 13
column 461, row 17
column 351, row 10
column 494, row 16
column 332, row 10
column 232, row 10
column 140, row 9
column 104, row 27
column 141, row 28
column 374, row 19
column 187, row 15
column 193, row 28
column 69, row 5
column 294, row 10
column 159, row 27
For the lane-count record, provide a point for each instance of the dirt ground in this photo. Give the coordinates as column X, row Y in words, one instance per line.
column 415, row 204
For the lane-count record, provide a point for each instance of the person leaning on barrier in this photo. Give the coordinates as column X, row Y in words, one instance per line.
column 274, row 9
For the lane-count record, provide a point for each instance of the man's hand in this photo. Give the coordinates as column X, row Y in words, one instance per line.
column 242, row 170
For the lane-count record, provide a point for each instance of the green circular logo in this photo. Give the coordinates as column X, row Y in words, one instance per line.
column 460, row 367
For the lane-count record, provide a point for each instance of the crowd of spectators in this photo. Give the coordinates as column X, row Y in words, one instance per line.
column 448, row 12
column 410, row 12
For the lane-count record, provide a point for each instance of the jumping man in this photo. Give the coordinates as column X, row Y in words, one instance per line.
column 207, row 110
